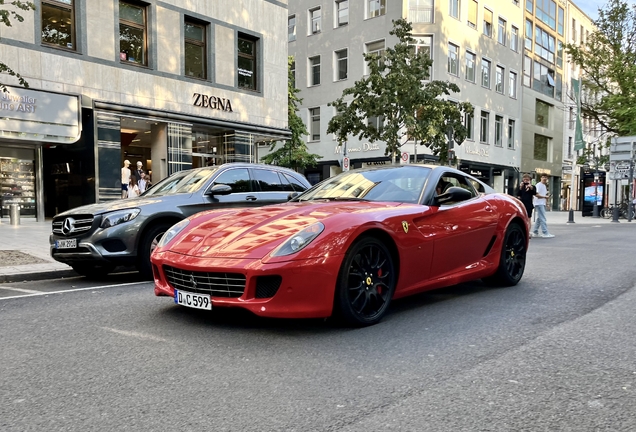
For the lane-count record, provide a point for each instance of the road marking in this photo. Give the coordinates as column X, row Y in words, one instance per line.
column 135, row 334
column 42, row 293
column 19, row 290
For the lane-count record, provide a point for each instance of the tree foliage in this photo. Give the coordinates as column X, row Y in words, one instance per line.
column 6, row 16
column 294, row 152
column 397, row 90
column 608, row 69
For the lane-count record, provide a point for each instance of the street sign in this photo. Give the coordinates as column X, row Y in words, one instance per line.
column 405, row 158
column 345, row 163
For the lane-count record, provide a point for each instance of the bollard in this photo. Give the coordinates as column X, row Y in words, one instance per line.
column 14, row 214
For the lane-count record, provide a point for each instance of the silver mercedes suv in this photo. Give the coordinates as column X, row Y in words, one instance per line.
column 95, row 238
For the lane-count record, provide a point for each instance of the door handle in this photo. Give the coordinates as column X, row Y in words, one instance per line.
column 250, row 198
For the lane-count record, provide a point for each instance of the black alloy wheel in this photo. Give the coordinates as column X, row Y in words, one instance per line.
column 148, row 244
column 366, row 283
column 512, row 262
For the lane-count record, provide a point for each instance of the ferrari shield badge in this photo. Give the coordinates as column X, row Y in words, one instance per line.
column 405, row 225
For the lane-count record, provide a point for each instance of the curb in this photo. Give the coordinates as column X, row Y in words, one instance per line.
column 37, row 276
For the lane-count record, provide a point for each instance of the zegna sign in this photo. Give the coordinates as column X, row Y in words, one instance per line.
column 363, row 148
column 212, row 102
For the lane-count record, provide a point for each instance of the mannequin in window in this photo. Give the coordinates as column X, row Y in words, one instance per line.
column 125, row 178
column 137, row 172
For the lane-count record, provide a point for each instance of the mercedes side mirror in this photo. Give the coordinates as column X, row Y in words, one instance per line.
column 219, row 189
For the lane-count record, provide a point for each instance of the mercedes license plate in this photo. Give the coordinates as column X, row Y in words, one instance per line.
column 66, row 244
column 197, row 301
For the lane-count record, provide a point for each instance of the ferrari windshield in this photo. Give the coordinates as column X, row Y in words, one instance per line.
column 396, row 183
column 181, row 182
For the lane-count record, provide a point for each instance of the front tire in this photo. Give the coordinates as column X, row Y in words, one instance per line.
column 512, row 261
column 148, row 244
column 366, row 283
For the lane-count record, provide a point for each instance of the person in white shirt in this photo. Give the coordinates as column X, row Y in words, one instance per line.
column 133, row 188
column 125, row 178
column 539, row 202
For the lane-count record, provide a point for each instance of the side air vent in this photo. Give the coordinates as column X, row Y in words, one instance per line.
column 489, row 247
column 267, row 286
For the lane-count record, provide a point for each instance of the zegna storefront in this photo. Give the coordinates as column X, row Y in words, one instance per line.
column 76, row 146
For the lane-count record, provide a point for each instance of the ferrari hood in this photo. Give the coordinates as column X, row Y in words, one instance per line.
column 254, row 232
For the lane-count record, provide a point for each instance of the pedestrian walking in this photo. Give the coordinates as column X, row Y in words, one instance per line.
column 539, row 202
column 526, row 193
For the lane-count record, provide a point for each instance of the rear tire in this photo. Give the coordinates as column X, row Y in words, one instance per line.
column 147, row 244
column 93, row 271
column 366, row 283
column 512, row 260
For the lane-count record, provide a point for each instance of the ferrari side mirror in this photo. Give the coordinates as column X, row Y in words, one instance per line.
column 453, row 194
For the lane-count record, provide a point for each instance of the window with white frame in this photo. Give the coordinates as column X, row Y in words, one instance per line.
column 485, row 73
column 511, row 134
column 342, row 13
column 471, row 60
column 421, row 11
column 483, row 127
column 291, row 28
column 472, row 13
column 453, row 59
column 453, row 6
column 469, row 122
column 423, row 45
column 528, row 35
column 376, row 8
column 314, row 124
column 315, row 20
column 514, row 39
column 488, row 22
column 527, row 71
column 314, row 71
column 499, row 79
column 512, row 84
column 376, row 48
column 341, row 60
column 502, row 31
column 498, row 131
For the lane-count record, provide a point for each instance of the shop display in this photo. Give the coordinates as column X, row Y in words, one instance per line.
column 17, row 186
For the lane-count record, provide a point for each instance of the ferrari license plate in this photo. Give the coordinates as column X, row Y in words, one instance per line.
column 197, row 301
column 66, row 244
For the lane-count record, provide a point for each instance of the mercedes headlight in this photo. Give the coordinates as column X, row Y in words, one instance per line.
column 299, row 240
column 172, row 232
column 118, row 217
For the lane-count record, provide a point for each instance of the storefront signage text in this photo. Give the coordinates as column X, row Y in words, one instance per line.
column 363, row 148
column 17, row 103
column 473, row 149
column 212, row 102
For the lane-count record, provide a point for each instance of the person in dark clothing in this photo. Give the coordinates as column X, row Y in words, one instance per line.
column 526, row 192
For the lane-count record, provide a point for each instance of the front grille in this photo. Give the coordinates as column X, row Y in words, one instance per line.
column 267, row 286
column 81, row 249
column 216, row 284
column 70, row 226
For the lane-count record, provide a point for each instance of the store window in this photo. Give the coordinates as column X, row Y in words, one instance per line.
column 132, row 34
column 58, row 23
column 246, row 62
column 195, row 50
column 17, row 186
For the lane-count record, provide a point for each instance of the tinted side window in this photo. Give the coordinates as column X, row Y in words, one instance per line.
column 295, row 184
column 269, row 181
column 238, row 179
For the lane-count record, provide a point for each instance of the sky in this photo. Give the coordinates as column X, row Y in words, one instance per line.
column 590, row 7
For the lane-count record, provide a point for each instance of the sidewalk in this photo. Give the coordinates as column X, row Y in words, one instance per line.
column 24, row 249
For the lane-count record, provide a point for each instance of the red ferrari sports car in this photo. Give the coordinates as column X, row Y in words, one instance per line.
column 347, row 246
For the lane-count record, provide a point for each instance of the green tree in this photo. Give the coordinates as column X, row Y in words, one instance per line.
column 5, row 17
column 294, row 152
column 607, row 61
column 397, row 91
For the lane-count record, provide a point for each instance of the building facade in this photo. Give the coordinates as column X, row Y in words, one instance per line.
column 169, row 84
column 474, row 45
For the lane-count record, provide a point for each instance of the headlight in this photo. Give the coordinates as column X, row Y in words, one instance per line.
column 299, row 240
column 118, row 217
column 172, row 232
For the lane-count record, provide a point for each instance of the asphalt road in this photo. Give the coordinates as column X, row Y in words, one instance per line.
column 555, row 353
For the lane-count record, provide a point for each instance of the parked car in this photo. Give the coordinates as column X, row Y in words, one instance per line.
column 347, row 246
column 95, row 238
